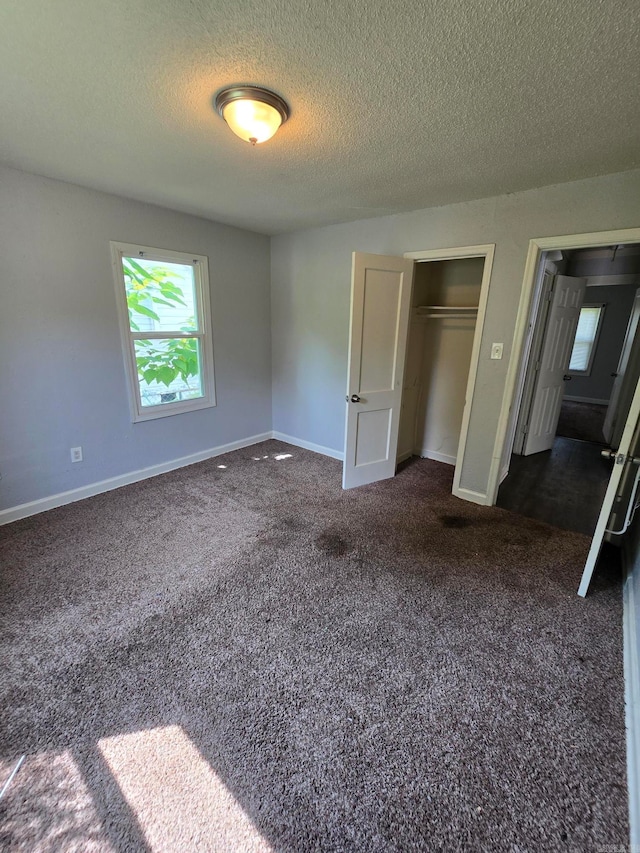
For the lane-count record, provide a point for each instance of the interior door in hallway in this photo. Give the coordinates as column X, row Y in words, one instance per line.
column 380, row 303
column 566, row 299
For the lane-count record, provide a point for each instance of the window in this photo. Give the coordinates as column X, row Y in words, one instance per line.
column 165, row 322
column 584, row 344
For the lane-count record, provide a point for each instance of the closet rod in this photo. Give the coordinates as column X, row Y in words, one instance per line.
column 444, row 308
column 442, row 312
column 467, row 316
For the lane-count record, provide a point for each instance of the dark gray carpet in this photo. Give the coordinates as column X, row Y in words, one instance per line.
column 583, row 421
column 248, row 658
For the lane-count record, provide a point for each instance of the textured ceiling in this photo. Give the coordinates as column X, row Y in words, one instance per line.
column 396, row 104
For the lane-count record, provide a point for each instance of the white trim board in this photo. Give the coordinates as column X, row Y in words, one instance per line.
column 473, row 497
column 15, row 513
column 308, row 445
column 586, row 400
column 631, row 639
column 446, row 458
column 52, row 501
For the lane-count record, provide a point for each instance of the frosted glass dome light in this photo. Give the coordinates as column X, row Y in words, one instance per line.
column 252, row 113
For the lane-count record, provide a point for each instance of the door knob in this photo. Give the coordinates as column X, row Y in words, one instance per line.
column 355, row 398
column 566, row 377
column 619, row 458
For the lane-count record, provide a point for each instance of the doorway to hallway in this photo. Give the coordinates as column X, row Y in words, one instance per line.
column 548, row 352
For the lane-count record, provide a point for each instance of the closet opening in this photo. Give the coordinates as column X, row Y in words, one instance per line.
column 415, row 333
column 442, row 329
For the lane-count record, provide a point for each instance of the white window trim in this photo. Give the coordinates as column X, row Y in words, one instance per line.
column 596, row 337
column 204, row 334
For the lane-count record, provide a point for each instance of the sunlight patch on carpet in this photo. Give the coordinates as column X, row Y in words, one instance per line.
column 178, row 800
column 51, row 802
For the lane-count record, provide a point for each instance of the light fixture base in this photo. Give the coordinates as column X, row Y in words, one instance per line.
column 251, row 93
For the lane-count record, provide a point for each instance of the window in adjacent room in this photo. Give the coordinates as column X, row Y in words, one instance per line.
column 586, row 339
column 165, row 321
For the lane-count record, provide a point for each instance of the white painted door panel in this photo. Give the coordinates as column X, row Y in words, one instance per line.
column 380, row 303
column 622, row 461
column 566, row 301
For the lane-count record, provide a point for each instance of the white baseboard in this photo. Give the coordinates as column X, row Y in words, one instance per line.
column 469, row 495
column 632, row 698
column 401, row 457
column 308, row 445
column 585, row 400
column 437, row 457
column 72, row 495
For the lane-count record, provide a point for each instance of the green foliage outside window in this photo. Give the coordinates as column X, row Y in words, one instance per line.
column 176, row 357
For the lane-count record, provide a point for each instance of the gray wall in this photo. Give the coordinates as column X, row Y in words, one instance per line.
column 310, row 289
column 62, row 381
column 618, row 300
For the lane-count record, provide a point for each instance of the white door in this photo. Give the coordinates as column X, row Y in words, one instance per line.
column 622, row 460
column 621, row 379
column 566, row 299
column 380, row 304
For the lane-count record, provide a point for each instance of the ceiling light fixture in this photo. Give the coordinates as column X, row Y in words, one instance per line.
column 252, row 113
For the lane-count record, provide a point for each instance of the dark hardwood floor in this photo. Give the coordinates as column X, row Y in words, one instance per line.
column 584, row 421
column 564, row 486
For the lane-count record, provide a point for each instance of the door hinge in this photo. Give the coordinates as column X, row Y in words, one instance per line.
column 537, row 367
column 525, row 429
column 550, row 295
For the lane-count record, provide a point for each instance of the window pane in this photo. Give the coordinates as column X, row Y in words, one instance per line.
column 580, row 356
column 169, row 370
column 160, row 296
column 585, row 338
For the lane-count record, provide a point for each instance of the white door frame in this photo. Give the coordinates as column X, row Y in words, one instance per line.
column 536, row 248
column 485, row 251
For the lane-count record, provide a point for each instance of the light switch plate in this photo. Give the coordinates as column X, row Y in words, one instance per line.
column 496, row 350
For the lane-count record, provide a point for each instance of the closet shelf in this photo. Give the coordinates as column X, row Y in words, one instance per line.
column 446, row 312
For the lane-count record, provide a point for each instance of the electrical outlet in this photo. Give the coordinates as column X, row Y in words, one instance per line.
column 496, row 350
column 76, row 454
